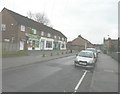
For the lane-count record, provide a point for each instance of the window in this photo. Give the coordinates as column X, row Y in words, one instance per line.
column 29, row 43
column 22, row 28
column 65, row 39
column 7, row 40
column 48, row 44
column 59, row 38
column 49, row 35
column 34, row 31
column 42, row 33
column 55, row 45
column 3, row 27
column 63, row 45
column 37, row 44
column 62, row 38
column 55, row 37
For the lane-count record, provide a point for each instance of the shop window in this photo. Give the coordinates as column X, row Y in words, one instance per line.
column 37, row 44
column 48, row 44
column 30, row 43
column 55, row 45
column 22, row 28
column 63, row 45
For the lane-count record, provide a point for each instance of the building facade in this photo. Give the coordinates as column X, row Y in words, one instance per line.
column 28, row 34
column 110, row 45
column 79, row 44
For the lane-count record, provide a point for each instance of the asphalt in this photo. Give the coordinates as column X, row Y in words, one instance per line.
column 58, row 75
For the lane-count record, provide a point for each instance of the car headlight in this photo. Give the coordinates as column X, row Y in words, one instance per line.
column 90, row 61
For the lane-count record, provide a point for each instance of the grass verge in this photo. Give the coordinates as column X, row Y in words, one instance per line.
column 14, row 54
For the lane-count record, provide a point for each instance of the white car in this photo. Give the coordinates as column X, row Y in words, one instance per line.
column 85, row 59
column 95, row 52
column 99, row 51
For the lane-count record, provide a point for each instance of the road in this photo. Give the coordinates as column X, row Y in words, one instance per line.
column 59, row 75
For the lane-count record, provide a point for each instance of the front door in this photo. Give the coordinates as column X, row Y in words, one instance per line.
column 33, row 44
column 21, row 45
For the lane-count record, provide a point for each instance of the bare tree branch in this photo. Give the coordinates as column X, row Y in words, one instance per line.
column 30, row 15
column 39, row 17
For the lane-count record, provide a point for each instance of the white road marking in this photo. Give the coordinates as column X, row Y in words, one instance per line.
column 80, row 81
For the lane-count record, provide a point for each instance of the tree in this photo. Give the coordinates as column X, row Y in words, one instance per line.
column 39, row 17
column 30, row 15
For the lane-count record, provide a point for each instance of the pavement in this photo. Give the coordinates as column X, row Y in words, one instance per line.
column 33, row 58
column 105, row 76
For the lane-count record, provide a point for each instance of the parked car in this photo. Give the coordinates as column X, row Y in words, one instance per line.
column 85, row 59
column 95, row 52
column 99, row 51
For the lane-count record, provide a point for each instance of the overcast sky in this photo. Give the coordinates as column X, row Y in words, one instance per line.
column 92, row 19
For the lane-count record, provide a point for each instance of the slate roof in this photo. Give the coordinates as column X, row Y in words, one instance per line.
column 22, row 20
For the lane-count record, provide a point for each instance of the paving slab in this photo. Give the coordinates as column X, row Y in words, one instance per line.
column 105, row 76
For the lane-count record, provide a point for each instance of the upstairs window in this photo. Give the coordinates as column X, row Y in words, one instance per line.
column 62, row 39
column 49, row 35
column 42, row 33
column 65, row 39
column 22, row 28
column 55, row 37
column 59, row 38
column 34, row 31
column 3, row 27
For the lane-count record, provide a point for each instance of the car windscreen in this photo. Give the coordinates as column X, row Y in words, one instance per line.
column 91, row 50
column 86, row 54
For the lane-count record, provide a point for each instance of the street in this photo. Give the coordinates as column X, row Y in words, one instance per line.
column 60, row 75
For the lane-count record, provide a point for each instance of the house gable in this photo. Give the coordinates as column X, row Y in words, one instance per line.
column 11, row 26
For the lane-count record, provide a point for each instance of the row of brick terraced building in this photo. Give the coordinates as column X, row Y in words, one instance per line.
column 28, row 34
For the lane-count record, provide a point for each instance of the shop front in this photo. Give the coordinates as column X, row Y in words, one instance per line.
column 33, row 42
